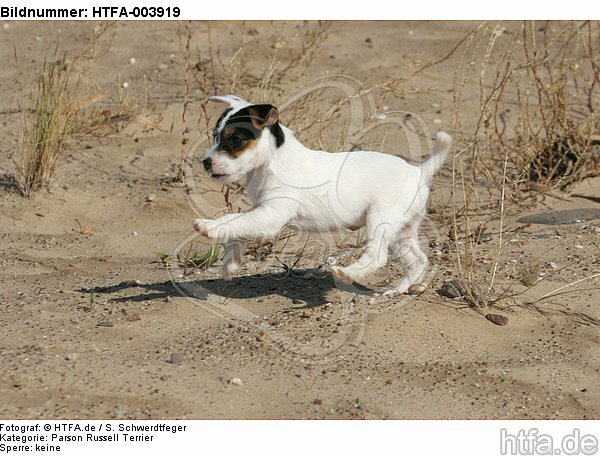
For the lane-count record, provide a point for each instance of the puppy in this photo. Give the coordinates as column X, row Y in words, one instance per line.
column 320, row 191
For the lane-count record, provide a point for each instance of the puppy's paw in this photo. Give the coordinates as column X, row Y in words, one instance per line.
column 230, row 269
column 200, row 226
column 211, row 229
column 339, row 273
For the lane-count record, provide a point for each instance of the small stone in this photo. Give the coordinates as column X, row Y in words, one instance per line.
column 261, row 337
column 168, row 299
column 39, row 214
column 5, row 26
column 371, row 300
column 597, row 230
column 579, row 246
column 106, row 324
column 417, row 288
column 151, row 197
column 306, row 314
column 298, row 301
column 484, row 237
column 133, row 317
column 125, row 85
column 135, row 233
column 235, row 381
column 162, row 66
column 437, row 121
column 368, row 40
column 499, row 320
column 318, row 402
column 132, row 61
column 553, row 265
column 175, row 359
column 451, row 289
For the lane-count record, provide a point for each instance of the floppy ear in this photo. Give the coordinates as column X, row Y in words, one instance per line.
column 264, row 115
column 232, row 100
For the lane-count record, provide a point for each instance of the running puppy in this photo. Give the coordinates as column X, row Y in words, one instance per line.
column 319, row 191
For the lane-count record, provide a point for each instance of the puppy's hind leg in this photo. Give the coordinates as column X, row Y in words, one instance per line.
column 232, row 259
column 407, row 251
column 375, row 255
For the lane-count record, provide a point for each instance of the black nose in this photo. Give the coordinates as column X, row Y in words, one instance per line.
column 207, row 162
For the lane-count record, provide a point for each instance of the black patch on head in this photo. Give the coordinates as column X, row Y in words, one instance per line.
column 248, row 123
column 262, row 111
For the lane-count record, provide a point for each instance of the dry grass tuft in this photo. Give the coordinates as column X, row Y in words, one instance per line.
column 42, row 139
column 66, row 104
column 537, row 132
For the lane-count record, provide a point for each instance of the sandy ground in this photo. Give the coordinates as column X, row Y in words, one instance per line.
column 92, row 327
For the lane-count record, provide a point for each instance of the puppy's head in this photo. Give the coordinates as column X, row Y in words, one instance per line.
column 243, row 139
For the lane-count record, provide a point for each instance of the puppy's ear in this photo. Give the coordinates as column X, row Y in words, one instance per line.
column 232, row 100
column 263, row 115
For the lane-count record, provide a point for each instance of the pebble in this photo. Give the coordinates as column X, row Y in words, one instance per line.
column 175, row 359
column 579, row 246
column 151, row 197
column 135, row 233
column 298, row 301
column 417, row 288
column 125, row 85
column 162, row 66
column 437, row 121
column 499, row 320
column 484, row 237
column 597, row 230
column 318, row 402
column 451, row 289
column 235, row 381
column 132, row 61
column 134, row 317
column 5, row 26
column 553, row 265
column 306, row 314
column 106, row 324
column 262, row 337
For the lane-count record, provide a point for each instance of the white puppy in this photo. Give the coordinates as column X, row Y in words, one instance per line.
column 319, row 191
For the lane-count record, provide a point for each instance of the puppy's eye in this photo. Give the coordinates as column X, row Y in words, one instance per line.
column 236, row 142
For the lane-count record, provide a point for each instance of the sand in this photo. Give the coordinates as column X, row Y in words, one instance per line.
column 93, row 327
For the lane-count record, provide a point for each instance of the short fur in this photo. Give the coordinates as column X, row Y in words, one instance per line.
column 320, row 191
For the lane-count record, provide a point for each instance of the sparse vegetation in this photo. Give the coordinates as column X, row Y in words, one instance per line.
column 543, row 143
column 65, row 104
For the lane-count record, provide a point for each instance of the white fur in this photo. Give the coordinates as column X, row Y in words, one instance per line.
column 324, row 191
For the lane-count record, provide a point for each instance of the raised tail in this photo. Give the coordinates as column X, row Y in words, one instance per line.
column 438, row 156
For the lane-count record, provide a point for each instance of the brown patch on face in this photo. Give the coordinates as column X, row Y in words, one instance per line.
column 235, row 141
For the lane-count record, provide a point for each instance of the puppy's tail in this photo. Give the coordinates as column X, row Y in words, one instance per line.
column 437, row 157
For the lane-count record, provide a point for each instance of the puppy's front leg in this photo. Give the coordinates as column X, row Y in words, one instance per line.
column 232, row 259
column 262, row 221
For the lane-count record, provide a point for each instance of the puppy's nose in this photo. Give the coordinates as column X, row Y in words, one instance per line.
column 207, row 162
